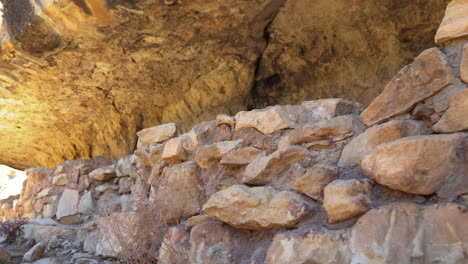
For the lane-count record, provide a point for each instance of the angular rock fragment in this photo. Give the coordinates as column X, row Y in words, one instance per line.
column 225, row 119
column 208, row 155
column 328, row 128
column 239, row 157
column 103, row 174
column 455, row 22
column 428, row 74
column 344, row 199
column 174, row 150
column 256, row 208
column 158, row 134
column 464, row 64
column 68, row 203
column 263, row 170
column 315, row 179
column 270, row 119
column 60, row 180
column 175, row 246
column 366, row 142
column 34, row 253
column 87, row 204
column 422, row 164
column 456, row 117
column 199, row 135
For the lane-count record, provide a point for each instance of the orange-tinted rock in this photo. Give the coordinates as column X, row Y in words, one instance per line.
column 428, row 74
column 240, row 156
column 464, row 64
column 455, row 22
column 158, row 134
column 314, row 181
column 456, row 117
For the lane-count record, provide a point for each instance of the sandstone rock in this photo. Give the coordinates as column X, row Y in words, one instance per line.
column 156, row 171
column 313, row 247
column 366, row 142
column 68, row 203
column 344, row 199
column 37, row 180
column 256, row 208
column 315, row 179
column 155, row 153
column 45, row 192
column 208, row 155
column 270, row 119
column 103, row 174
column 158, row 134
column 108, row 188
column 174, row 150
column 421, row 164
column 456, row 117
column 196, row 220
column 175, row 246
column 199, row 135
column 108, row 203
column 312, row 132
column 51, row 236
column 239, row 157
column 125, row 185
column 60, row 180
column 408, row 233
column 425, row 112
column 34, row 253
column 184, row 180
column 263, row 170
column 86, row 205
column 126, row 166
column 4, row 256
column 464, row 64
column 428, row 74
column 323, row 109
column 226, row 119
column 455, row 23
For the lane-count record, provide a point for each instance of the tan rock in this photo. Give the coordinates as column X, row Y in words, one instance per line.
column 344, row 199
column 87, row 204
column 313, row 247
column 34, row 253
column 408, row 233
column 196, row 220
column 158, row 134
column 206, row 156
column 5, row 256
column 366, row 142
column 263, row 170
column 315, row 179
column 464, row 64
column 68, row 203
column 155, row 153
column 108, row 188
column 126, row 166
column 174, row 150
column 125, row 185
column 199, row 135
column 183, row 180
column 270, row 119
column 256, row 208
column 328, row 128
column 60, row 180
column 226, row 119
column 456, row 117
column 44, row 193
column 103, row 174
column 240, row 157
column 428, row 74
column 323, row 109
column 421, row 164
column 455, row 22
column 175, row 246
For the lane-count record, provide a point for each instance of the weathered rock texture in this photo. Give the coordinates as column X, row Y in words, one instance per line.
column 80, row 78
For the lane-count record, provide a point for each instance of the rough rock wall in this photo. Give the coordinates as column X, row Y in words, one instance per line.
column 79, row 78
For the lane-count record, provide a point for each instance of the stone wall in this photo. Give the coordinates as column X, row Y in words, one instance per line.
column 325, row 181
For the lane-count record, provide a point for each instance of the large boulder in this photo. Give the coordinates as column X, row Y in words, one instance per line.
column 366, row 142
column 455, row 22
column 427, row 75
column 422, row 164
column 256, row 208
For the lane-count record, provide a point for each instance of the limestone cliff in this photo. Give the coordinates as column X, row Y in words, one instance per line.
column 79, row 78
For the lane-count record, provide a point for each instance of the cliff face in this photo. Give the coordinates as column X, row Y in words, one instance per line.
column 79, row 78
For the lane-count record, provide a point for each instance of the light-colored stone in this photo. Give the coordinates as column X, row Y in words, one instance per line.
column 68, row 203
column 125, row 185
column 408, row 233
column 60, row 180
column 270, row 119
column 263, row 170
column 313, row 247
column 158, row 134
column 108, row 188
column 256, row 208
column 366, row 142
column 456, row 117
column 103, row 174
column 315, row 179
column 126, row 166
column 184, row 180
column 34, row 253
column 199, row 135
column 174, row 150
column 323, row 109
column 328, row 128
column 464, row 64
column 206, row 156
column 196, row 220
column 344, row 199
column 428, row 74
column 44, row 193
column 455, row 22
column 240, row 157
column 175, row 246
column 86, row 205
column 226, row 119
column 421, row 164
column 52, row 236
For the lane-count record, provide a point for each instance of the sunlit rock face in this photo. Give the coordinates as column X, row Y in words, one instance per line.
column 79, row 78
